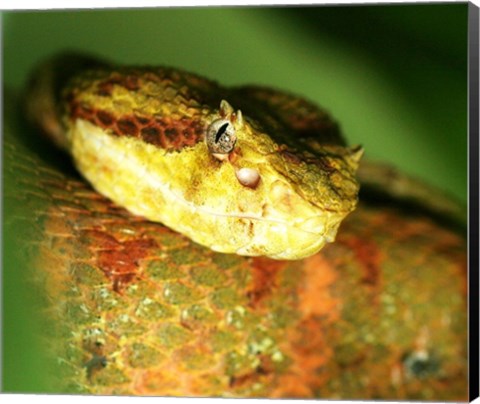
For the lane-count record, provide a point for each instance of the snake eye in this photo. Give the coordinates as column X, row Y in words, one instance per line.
column 221, row 137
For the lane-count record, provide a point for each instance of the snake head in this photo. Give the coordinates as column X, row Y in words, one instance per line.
column 284, row 201
column 237, row 182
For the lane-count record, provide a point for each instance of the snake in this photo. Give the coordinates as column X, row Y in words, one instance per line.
column 215, row 244
column 169, row 146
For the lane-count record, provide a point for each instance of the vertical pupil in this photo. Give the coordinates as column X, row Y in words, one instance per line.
column 220, row 132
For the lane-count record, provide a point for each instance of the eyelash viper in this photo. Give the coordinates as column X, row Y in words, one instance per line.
column 154, row 141
column 132, row 307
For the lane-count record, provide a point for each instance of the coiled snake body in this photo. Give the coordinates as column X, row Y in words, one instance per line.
column 134, row 307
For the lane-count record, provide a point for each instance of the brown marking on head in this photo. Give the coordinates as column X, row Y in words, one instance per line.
column 170, row 133
column 142, row 120
column 165, row 132
column 151, row 134
column 105, row 119
column 127, row 126
column 182, row 132
column 105, row 89
column 78, row 110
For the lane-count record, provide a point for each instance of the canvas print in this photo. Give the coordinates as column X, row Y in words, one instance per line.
column 236, row 202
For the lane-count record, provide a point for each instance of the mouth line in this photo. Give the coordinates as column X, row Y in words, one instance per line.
column 238, row 215
column 296, row 224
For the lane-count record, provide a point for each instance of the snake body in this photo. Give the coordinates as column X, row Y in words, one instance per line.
column 139, row 136
column 132, row 307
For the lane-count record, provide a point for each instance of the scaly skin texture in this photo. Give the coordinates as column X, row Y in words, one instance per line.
column 131, row 307
column 138, row 136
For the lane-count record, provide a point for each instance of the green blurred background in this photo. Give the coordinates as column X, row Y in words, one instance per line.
column 395, row 77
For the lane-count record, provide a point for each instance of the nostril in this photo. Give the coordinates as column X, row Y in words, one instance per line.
column 248, row 177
